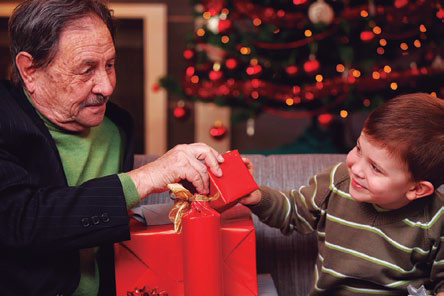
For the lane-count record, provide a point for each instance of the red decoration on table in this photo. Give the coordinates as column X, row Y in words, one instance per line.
column 235, row 182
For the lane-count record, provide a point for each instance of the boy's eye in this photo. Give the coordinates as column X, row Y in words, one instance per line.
column 375, row 168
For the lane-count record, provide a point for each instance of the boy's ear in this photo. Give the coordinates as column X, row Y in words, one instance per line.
column 420, row 189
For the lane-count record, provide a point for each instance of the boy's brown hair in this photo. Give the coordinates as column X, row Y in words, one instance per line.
column 412, row 127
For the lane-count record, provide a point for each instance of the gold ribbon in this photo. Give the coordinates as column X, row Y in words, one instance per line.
column 182, row 203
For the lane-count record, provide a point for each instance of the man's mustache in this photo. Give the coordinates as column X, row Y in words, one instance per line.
column 95, row 101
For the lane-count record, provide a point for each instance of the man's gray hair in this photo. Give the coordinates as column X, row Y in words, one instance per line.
column 35, row 27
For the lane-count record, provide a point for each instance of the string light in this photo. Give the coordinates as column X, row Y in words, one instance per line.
column 245, row 50
column 254, row 95
column 319, row 78
column 194, row 79
column 377, row 30
column 216, row 66
column 366, row 102
column 433, row 94
column 356, row 73
column 404, row 46
column 380, row 50
column 225, row 39
column 364, row 13
column 257, row 22
column 387, row 69
column 200, row 32
column 383, row 42
column 308, row 33
column 394, row 86
column 343, row 113
column 417, row 43
column 422, row 28
column 340, row 68
column 206, row 15
column 289, row 101
column 376, row 75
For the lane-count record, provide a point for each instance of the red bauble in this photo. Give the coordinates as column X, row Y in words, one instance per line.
column 440, row 13
column 218, row 131
column 155, row 87
column 223, row 25
column 401, row 3
column 253, row 69
column 325, row 119
column 367, row 36
column 180, row 111
column 215, row 75
column 291, row 70
column 311, row 65
column 231, row 63
column 188, row 54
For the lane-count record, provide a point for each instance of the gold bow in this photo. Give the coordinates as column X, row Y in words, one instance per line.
column 182, row 203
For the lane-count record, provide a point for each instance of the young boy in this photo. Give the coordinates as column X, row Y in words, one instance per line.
column 378, row 219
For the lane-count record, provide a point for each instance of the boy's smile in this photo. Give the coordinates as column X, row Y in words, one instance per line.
column 378, row 176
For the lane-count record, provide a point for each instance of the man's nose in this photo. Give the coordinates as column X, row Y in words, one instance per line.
column 104, row 83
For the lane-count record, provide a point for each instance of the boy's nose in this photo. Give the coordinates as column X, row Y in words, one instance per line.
column 357, row 169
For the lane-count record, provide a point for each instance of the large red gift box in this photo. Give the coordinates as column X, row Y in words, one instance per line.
column 236, row 182
column 154, row 258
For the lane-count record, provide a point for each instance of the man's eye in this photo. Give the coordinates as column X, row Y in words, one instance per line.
column 87, row 71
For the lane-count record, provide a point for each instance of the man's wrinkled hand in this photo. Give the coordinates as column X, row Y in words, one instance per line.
column 183, row 162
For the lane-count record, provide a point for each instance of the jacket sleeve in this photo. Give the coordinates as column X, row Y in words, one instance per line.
column 296, row 209
column 57, row 217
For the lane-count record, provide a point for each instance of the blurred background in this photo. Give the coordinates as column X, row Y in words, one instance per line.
column 267, row 76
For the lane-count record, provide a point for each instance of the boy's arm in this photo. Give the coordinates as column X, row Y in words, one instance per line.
column 437, row 272
column 297, row 209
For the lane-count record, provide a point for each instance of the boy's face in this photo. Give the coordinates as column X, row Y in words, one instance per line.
column 378, row 176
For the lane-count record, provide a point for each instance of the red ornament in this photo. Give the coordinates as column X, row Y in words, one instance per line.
column 223, row 25
column 253, row 69
column 155, row 87
column 180, row 111
column 188, row 54
column 215, row 75
column 291, row 70
column 299, row 2
column 367, row 36
column 440, row 13
column 401, row 3
column 311, row 65
column 218, row 131
column 325, row 119
column 189, row 71
column 231, row 63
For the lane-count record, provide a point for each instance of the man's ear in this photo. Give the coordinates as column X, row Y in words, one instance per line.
column 24, row 62
column 420, row 189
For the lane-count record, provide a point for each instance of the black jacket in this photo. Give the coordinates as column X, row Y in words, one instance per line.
column 43, row 222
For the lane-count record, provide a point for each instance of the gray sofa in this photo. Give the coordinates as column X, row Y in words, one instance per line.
column 289, row 259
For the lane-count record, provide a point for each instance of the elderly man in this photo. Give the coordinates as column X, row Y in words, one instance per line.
column 63, row 150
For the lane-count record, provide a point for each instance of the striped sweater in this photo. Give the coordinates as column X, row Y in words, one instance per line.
column 361, row 250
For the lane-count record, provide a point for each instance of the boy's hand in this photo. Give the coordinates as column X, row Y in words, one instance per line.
column 440, row 294
column 256, row 196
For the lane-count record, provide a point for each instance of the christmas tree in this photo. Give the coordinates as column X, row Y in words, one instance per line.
column 311, row 58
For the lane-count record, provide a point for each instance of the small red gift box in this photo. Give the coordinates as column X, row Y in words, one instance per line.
column 154, row 257
column 236, row 182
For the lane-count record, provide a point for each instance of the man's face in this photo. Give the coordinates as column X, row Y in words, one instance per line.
column 377, row 176
column 73, row 89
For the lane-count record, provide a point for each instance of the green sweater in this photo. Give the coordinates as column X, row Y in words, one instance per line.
column 361, row 249
column 93, row 153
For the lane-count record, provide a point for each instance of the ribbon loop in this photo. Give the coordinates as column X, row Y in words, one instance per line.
column 182, row 203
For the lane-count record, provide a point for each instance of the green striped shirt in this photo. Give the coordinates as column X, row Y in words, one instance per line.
column 362, row 250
